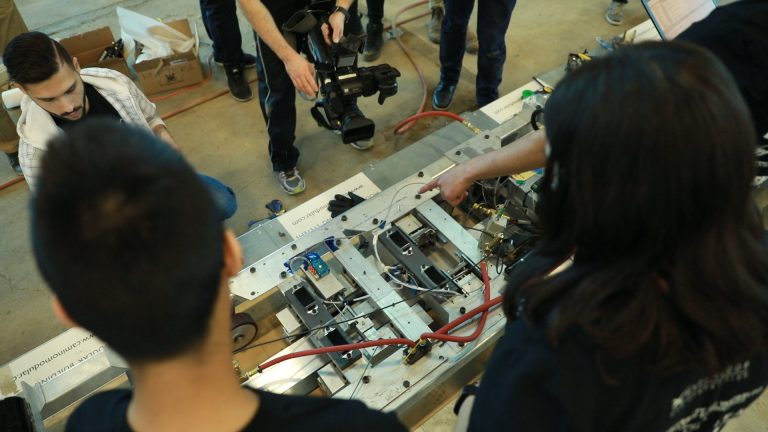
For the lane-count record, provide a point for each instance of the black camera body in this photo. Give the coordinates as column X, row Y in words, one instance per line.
column 340, row 80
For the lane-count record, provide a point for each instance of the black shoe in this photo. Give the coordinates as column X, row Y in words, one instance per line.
column 13, row 159
column 238, row 86
column 250, row 61
column 373, row 41
column 442, row 96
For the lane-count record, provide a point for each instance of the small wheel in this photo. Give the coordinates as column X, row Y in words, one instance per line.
column 243, row 331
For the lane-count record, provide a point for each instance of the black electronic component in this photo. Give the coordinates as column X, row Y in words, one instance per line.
column 407, row 253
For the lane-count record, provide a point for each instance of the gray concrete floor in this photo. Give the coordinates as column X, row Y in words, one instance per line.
column 227, row 139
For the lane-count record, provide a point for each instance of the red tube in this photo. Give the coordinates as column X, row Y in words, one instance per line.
column 336, row 348
column 400, row 127
column 11, row 182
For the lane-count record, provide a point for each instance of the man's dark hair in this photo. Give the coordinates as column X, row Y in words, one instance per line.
column 648, row 185
column 128, row 238
column 33, row 57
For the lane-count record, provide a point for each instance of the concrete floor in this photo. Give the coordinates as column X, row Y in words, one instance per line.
column 227, row 139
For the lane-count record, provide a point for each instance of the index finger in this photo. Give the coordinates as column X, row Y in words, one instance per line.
column 429, row 186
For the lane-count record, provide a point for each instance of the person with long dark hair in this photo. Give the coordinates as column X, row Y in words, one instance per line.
column 659, row 320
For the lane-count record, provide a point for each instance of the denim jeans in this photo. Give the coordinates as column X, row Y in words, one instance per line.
column 223, row 196
column 277, row 98
column 220, row 20
column 492, row 22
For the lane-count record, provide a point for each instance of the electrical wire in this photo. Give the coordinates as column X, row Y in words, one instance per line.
column 367, row 365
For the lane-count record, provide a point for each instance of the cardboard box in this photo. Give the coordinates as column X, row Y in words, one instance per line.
column 89, row 46
column 174, row 71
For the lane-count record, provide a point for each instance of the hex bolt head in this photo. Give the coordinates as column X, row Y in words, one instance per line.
column 344, row 218
column 462, row 310
column 375, row 221
column 406, row 383
column 283, row 275
column 418, row 196
column 487, row 136
column 366, row 379
column 458, row 153
column 293, row 247
column 253, row 293
column 253, row 269
column 421, row 174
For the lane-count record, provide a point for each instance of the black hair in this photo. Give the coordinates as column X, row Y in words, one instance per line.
column 648, row 186
column 128, row 238
column 34, row 57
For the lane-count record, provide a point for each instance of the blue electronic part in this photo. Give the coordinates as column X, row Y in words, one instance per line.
column 320, row 266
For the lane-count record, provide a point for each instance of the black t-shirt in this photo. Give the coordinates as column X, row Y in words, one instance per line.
column 98, row 106
column 531, row 386
column 738, row 34
column 107, row 411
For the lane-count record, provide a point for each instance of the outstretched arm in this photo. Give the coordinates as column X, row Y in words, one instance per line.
column 525, row 154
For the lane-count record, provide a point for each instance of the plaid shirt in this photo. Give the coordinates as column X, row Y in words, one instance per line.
column 36, row 126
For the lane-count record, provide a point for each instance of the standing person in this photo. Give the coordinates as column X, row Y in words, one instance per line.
column 492, row 23
column 615, row 12
column 11, row 24
column 158, row 262
column 220, row 21
column 282, row 70
column 660, row 320
column 58, row 95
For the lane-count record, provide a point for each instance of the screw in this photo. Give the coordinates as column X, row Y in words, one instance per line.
column 283, row 275
column 441, row 357
column 421, row 174
column 253, row 292
column 418, row 196
column 343, row 218
column 462, row 310
column 375, row 221
column 293, row 247
column 253, row 269
column 337, row 242
column 487, row 136
column 406, row 384
column 461, row 344
column 281, row 234
column 366, row 379
column 458, row 152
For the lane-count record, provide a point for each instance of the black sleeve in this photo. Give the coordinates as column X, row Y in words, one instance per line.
column 106, row 411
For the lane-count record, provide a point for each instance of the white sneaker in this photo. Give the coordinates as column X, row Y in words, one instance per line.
column 615, row 13
column 361, row 145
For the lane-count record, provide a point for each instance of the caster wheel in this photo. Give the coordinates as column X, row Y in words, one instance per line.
column 243, row 331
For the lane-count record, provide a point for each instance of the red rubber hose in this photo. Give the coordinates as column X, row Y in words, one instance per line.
column 336, row 348
column 401, row 127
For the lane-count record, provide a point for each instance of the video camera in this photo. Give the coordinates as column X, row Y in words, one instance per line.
column 340, row 81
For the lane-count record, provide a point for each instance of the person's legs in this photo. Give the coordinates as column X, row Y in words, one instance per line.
column 277, row 98
column 374, row 30
column 492, row 22
column 220, row 20
column 615, row 12
column 452, row 39
column 436, row 23
column 223, row 196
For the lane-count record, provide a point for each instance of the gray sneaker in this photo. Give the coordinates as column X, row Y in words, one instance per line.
column 291, row 181
column 361, row 145
column 615, row 13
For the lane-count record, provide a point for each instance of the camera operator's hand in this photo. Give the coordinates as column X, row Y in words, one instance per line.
column 453, row 185
column 336, row 22
column 302, row 74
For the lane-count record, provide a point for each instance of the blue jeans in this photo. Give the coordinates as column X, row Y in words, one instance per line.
column 492, row 22
column 222, row 195
column 220, row 20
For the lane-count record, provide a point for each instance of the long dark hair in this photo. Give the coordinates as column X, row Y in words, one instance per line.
column 648, row 185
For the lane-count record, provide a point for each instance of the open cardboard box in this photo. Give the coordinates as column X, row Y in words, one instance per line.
column 174, row 71
column 89, row 46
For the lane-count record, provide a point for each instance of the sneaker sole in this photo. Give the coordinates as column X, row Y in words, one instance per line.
column 361, row 148
column 240, row 99
column 436, row 108
column 247, row 66
column 612, row 22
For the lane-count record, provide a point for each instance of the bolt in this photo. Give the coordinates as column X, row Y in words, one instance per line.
column 281, row 234
column 461, row 344
column 283, row 275
column 253, row 293
column 462, row 310
column 421, row 174
column 338, row 242
column 293, row 247
column 487, row 136
column 406, row 384
column 458, row 152
column 366, row 379
column 441, row 357
column 418, row 196
column 253, row 269
column 343, row 218
column 375, row 221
